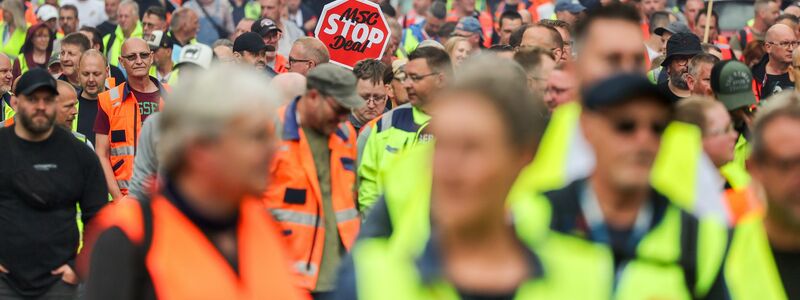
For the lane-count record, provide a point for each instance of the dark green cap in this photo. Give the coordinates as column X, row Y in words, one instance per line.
column 732, row 82
column 337, row 82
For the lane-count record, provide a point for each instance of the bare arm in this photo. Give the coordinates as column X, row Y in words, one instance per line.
column 102, row 148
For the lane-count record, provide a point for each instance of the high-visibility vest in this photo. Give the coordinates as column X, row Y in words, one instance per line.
column 125, row 119
column 112, row 43
column 660, row 262
column 183, row 264
column 742, row 202
column 750, row 269
column 724, row 46
column 569, row 270
column 13, row 45
column 280, row 64
column 7, row 110
column 412, row 36
column 252, row 10
column 295, row 200
column 745, row 36
column 390, row 134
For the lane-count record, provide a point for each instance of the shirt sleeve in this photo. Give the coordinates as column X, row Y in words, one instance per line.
column 145, row 163
column 101, row 122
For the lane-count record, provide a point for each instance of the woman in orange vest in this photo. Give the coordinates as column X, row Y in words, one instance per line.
column 203, row 234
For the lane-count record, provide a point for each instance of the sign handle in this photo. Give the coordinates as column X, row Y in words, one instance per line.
column 708, row 20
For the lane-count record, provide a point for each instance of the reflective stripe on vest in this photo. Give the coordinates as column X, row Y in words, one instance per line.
column 750, row 270
column 183, row 264
column 295, row 199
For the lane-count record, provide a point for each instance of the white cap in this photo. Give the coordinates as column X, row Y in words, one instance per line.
column 46, row 12
column 154, row 39
column 197, row 54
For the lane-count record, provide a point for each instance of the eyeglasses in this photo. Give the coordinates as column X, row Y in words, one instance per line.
column 628, row 127
column 293, row 60
column 785, row 44
column 132, row 57
column 720, row 131
column 375, row 99
column 418, row 78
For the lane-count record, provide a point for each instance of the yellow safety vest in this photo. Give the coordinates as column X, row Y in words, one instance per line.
column 13, row 45
column 750, row 269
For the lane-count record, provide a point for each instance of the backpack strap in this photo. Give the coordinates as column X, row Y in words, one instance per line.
column 147, row 223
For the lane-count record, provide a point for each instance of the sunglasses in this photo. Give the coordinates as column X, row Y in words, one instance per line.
column 132, row 57
column 628, row 127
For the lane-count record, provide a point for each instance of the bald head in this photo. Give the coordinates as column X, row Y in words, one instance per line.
column 67, row 99
column 136, row 58
column 290, row 85
column 779, row 31
column 780, row 42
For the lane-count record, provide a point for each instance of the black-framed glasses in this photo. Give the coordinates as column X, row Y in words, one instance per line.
column 418, row 78
column 628, row 126
column 132, row 57
column 374, row 98
column 785, row 44
column 293, row 60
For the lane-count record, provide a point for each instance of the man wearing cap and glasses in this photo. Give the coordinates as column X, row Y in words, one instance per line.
column 271, row 34
column 313, row 175
column 681, row 47
column 470, row 29
column 122, row 110
column 623, row 118
column 161, row 46
column 250, row 49
column 373, row 86
column 52, row 173
column 772, row 72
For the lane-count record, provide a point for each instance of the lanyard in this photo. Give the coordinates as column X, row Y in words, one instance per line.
column 597, row 225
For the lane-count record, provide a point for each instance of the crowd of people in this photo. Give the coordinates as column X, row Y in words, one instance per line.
column 497, row 149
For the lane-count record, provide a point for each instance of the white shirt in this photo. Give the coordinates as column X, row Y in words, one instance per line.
column 90, row 12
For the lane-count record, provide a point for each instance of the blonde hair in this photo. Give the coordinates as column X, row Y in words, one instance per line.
column 203, row 108
column 452, row 42
column 17, row 10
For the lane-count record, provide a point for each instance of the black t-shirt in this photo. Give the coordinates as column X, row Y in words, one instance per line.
column 664, row 88
column 40, row 184
column 789, row 269
column 87, row 113
column 776, row 84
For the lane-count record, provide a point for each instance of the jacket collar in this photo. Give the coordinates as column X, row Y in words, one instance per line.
column 291, row 130
column 126, row 88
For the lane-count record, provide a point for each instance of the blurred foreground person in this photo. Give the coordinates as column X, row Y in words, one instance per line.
column 484, row 136
column 657, row 249
column 203, row 234
column 764, row 257
column 47, row 173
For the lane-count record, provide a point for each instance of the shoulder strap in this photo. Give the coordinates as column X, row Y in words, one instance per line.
column 223, row 33
column 112, row 37
column 147, row 223
column 688, row 260
column 742, row 38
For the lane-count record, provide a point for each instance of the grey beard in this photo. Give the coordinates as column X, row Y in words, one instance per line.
column 678, row 81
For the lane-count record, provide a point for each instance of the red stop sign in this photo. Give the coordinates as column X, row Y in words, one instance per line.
column 353, row 30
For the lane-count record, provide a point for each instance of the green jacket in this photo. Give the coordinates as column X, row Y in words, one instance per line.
column 394, row 132
column 112, row 43
column 750, row 268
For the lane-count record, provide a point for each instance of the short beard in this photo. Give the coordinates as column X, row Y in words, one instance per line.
column 678, row 81
column 27, row 122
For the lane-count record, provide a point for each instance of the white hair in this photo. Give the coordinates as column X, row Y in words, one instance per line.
column 203, row 108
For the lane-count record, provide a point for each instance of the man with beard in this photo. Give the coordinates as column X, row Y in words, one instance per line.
column 250, row 49
column 6, row 111
column 92, row 72
column 46, row 175
column 699, row 77
column 772, row 72
column 681, row 47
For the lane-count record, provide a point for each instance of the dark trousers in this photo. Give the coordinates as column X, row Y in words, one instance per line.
column 59, row 291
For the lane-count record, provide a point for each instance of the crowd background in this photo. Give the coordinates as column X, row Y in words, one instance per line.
column 209, row 149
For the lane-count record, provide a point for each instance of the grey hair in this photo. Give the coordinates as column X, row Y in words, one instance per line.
column 786, row 104
column 17, row 9
column 133, row 4
column 315, row 49
column 202, row 109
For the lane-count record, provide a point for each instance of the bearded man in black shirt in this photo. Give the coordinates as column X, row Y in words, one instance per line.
column 45, row 173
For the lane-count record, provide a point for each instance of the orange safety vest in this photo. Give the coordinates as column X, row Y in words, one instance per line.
column 724, row 46
column 501, row 8
column 295, row 200
column 534, row 9
column 122, row 109
column 8, row 122
column 280, row 64
column 183, row 264
column 645, row 29
column 745, row 36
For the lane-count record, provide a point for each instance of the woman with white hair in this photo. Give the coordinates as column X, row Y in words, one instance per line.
column 13, row 27
column 203, row 233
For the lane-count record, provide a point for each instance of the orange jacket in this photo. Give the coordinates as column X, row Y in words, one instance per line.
column 724, row 46
column 183, row 264
column 125, row 119
column 295, row 200
column 741, row 203
column 280, row 64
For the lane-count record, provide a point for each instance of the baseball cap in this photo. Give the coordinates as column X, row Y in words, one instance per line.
column 572, row 6
column 732, row 82
column 335, row 81
column 249, row 41
column 398, row 69
column 35, row 79
column 469, row 24
column 263, row 26
column 619, row 89
column 54, row 59
column 46, row 12
column 430, row 43
column 157, row 40
column 196, row 54
column 682, row 43
column 673, row 28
